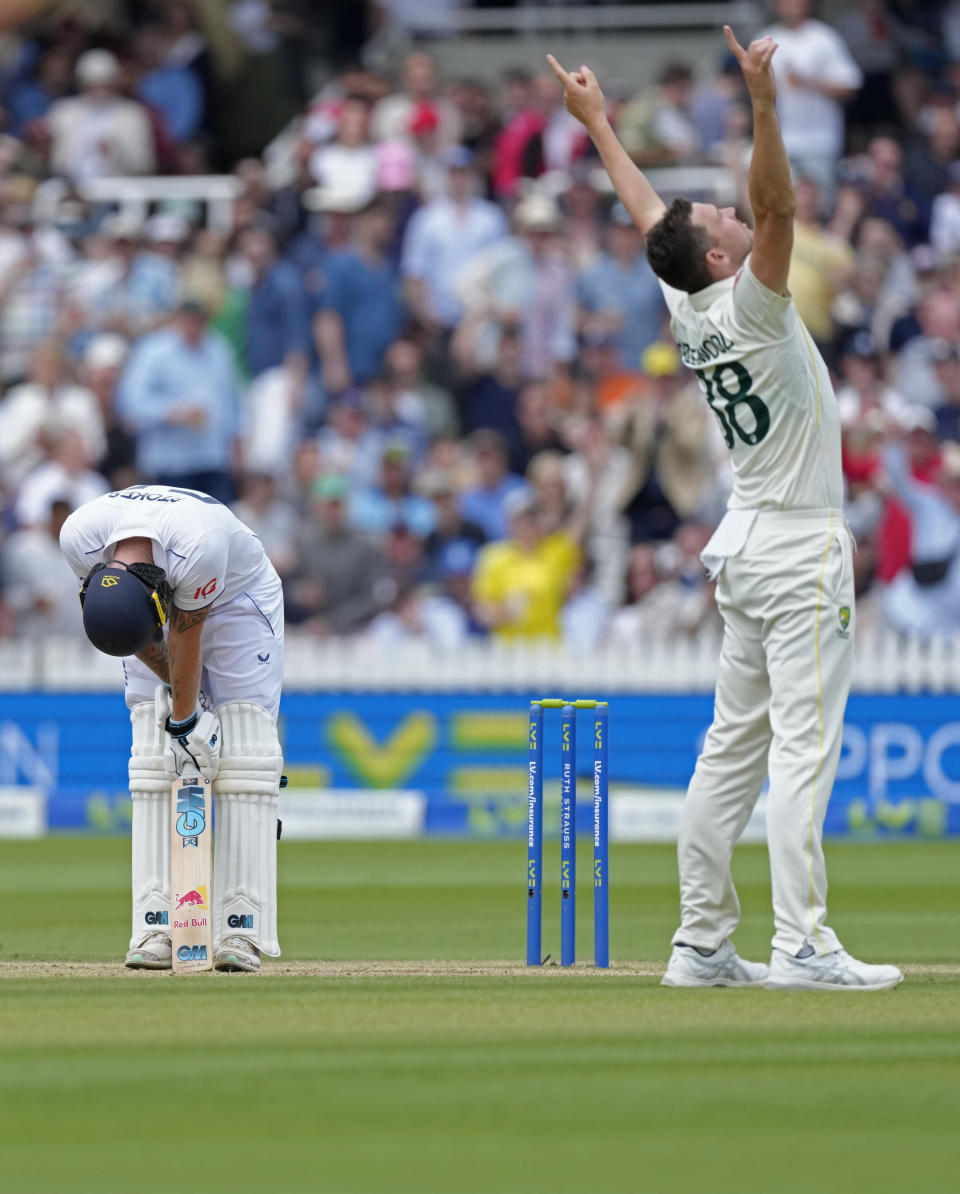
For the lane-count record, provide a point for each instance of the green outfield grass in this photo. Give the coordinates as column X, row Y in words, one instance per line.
column 469, row 1083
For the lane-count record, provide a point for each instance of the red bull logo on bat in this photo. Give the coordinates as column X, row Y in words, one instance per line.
column 196, row 898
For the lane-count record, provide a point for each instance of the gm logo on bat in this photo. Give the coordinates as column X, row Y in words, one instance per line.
column 192, row 953
column 192, row 809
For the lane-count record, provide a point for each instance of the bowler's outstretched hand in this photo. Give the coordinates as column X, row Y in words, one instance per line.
column 581, row 94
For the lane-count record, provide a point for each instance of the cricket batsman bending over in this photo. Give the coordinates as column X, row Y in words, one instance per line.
column 782, row 553
column 184, row 592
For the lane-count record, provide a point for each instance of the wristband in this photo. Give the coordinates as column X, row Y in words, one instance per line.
column 180, row 729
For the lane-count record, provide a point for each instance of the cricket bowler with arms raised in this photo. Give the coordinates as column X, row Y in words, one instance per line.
column 179, row 588
column 782, row 555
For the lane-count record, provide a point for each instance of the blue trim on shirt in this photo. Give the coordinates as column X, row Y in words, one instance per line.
column 261, row 613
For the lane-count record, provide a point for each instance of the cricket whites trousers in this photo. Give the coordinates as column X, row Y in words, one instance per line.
column 786, row 597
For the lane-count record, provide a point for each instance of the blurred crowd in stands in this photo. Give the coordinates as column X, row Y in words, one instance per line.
column 427, row 361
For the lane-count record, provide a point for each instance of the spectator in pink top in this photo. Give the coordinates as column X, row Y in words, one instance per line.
column 518, row 149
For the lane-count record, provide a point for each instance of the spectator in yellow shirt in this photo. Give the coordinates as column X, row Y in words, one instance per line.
column 521, row 583
column 820, row 266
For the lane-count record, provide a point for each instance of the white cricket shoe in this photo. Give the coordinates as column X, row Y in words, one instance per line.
column 836, row 971
column 152, row 952
column 723, row 968
column 237, row 953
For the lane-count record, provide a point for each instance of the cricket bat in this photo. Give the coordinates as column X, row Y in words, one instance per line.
column 191, row 901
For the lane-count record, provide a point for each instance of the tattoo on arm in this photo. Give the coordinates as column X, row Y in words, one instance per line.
column 182, row 620
column 155, row 657
column 183, row 646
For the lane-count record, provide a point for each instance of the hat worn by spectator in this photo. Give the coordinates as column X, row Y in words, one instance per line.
column 165, row 228
column 600, row 338
column 949, row 469
column 660, row 360
column 96, row 68
column 396, row 451
column 108, row 351
column 192, row 306
column 537, row 212
column 457, row 558
column 458, row 157
column 943, row 351
column 435, row 482
column 924, row 259
column 920, row 418
column 337, row 198
column 120, row 226
column 351, row 399
column 332, row 487
column 521, row 503
column 861, row 345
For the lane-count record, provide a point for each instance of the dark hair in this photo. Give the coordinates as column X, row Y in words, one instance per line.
column 486, row 439
column 677, row 248
column 675, row 72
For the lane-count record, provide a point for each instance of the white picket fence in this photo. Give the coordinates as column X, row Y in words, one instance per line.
column 885, row 662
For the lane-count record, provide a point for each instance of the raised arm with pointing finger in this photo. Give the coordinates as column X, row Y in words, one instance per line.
column 584, row 99
column 772, row 196
column 700, row 243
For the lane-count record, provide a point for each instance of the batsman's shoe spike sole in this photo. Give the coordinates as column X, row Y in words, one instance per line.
column 153, row 952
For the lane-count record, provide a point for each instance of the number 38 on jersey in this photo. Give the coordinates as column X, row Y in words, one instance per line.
column 741, row 414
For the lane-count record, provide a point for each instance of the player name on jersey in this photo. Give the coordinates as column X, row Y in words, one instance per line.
column 707, row 350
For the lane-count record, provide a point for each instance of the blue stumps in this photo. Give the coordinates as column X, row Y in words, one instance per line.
column 535, row 836
column 568, row 836
column 569, row 709
column 601, row 841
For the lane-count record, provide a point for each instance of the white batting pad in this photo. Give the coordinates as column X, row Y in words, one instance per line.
column 246, row 799
column 150, row 825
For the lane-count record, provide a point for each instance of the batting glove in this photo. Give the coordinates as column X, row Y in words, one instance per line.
column 193, row 745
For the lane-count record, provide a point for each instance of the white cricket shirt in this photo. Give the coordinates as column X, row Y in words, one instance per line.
column 768, row 386
column 206, row 551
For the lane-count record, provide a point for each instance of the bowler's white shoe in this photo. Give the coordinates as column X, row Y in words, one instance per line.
column 723, row 968
column 152, row 952
column 836, row 971
column 237, row 953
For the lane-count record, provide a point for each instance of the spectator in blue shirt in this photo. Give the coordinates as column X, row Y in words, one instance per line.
column 169, row 88
column 178, row 396
column 619, row 294
column 485, row 502
column 278, row 330
column 443, row 236
column 30, row 99
column 361, row 311
column 380, row 508
column 307, row 253
column 946, row 366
